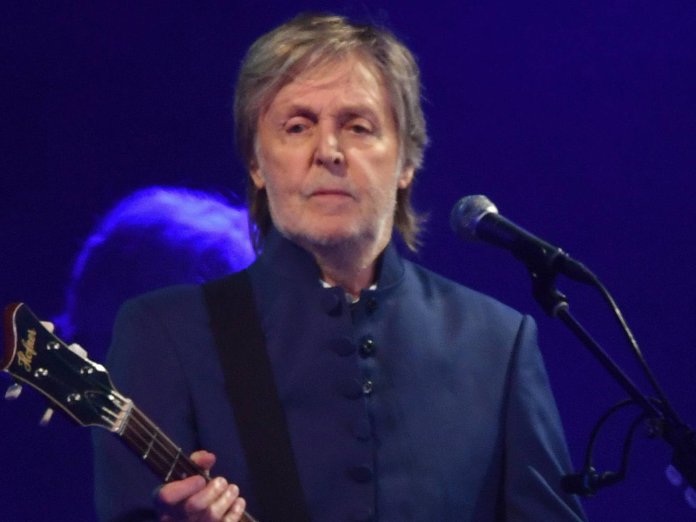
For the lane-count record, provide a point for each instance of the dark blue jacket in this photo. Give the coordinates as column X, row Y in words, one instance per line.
column 424, row 401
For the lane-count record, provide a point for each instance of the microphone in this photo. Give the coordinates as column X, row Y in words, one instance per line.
column 477, row 218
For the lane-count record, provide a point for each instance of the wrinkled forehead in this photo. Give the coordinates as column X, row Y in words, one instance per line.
column 325, row 71
column 356, row 82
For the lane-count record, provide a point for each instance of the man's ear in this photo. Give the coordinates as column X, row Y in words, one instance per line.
column 406, row 176
column 256, row 174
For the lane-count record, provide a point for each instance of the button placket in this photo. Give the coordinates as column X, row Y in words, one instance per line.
column 371, row 305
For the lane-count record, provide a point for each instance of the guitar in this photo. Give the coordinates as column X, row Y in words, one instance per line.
column 83, row 389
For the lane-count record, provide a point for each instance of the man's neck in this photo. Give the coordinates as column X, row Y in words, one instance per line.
column 351, row 268
column 352, row 283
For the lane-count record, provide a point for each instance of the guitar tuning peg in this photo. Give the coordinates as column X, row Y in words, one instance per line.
column 13, row 391
column 78, row 350
column 46, row 417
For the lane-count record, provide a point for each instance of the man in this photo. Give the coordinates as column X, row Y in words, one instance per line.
column 406, row 396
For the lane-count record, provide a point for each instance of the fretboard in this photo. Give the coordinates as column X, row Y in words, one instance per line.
column 158, row 451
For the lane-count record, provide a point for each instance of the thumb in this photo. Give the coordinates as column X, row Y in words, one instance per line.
column 204, row 459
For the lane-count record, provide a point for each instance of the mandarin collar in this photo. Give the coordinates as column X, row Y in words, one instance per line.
column 289, row 260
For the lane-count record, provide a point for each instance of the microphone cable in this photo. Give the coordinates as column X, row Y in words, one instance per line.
column 665, row 406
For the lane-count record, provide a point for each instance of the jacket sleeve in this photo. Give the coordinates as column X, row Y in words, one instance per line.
column 536, row 456
column 145, row 368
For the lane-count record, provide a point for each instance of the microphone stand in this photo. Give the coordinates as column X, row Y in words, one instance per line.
column 660, row 415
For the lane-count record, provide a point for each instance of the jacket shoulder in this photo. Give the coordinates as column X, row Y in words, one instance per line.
column 168, row 298
column 449, row 292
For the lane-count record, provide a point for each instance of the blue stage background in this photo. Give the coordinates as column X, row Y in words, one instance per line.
column 578, row 119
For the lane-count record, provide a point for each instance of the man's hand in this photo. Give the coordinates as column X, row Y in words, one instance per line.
column 194, row 500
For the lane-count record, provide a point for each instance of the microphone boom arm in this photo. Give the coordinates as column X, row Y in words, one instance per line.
column 476, row 218
column 670, row 427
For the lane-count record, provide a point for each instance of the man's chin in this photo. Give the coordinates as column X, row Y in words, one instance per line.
column 333, row 237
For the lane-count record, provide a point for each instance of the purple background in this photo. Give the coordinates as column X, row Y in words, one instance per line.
column 577, row 119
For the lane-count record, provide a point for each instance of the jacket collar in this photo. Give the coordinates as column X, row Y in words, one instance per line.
column 287, row 259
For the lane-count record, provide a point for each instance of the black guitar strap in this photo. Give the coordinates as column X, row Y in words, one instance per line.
column 252, row 392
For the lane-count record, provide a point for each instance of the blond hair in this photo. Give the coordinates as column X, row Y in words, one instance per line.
column 309, row 41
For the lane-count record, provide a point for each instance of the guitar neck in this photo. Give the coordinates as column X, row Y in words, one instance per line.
column 82, row 388
column 158, row 451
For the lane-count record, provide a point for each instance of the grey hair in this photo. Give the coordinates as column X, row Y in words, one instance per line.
column 309, row 41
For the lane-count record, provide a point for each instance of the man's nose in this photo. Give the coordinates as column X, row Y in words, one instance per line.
column 329, row 153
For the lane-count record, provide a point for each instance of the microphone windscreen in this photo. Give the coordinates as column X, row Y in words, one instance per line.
column 467, row 212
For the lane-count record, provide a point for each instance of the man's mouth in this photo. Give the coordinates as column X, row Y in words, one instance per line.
column 331, row 193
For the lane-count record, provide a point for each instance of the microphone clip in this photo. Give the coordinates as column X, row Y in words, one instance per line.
column 551, row 300
column 588, row 481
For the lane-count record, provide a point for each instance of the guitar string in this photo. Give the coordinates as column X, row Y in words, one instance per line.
column 160, row 457
column 141, row 421
column 172, row 461
column 161, row 452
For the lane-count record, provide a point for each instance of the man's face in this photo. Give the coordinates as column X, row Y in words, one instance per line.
column 327, row 154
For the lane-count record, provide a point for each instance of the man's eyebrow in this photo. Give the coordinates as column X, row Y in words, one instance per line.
column 296, row 109
column 346, row 112
column 359, row 110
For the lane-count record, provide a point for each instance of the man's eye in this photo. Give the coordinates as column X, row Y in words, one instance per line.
column 359, row 128
column 295, row 128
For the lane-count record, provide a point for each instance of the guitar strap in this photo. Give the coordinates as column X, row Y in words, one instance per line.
column 252, row 392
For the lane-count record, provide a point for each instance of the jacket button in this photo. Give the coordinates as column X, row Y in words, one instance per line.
column 367, row 347
column 367, row 387
column 362, row 473
column 332, row 302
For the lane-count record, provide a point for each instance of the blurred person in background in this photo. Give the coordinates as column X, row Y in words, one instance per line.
column 155, row 237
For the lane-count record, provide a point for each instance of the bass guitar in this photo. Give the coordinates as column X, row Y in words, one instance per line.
column 82, row 388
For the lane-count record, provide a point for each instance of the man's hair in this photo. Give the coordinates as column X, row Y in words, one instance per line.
column 309, row 41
